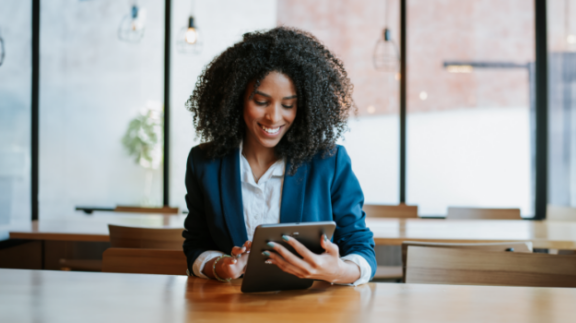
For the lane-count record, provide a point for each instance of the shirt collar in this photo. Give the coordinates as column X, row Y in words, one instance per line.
column 276, row 170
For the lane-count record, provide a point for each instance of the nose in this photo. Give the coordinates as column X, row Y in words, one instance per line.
column 274, row 113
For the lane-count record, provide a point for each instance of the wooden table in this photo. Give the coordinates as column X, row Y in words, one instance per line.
column 543, row 234
column 90, row 227
column 52, row 296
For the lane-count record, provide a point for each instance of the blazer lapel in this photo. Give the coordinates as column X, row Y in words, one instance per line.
column 293, row 192
column 231, row 195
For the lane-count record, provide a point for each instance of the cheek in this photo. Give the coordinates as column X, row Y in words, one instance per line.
column 251, row 113
column 290, row 115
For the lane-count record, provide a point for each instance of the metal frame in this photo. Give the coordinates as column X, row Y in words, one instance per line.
column 541, row 100
column 35, row 112
column 166, row 163
column 403, row 87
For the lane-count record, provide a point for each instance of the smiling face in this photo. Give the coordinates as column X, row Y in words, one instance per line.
column 270, row 112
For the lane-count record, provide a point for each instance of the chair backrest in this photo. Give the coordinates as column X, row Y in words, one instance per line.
column 497, row 246
column 469, row 213
column 476, row 267
column 560, row 213
column 144, row 261
column 391, row 211
column 155, row 210
column 150, row 238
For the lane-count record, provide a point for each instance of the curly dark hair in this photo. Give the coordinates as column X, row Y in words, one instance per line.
column 322, row 85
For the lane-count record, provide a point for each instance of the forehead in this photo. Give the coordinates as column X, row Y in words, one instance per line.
column 276, row 82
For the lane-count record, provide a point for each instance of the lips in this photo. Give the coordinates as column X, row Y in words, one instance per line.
column 270, row 130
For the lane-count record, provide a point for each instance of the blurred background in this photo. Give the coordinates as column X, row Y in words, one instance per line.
column 470, row 97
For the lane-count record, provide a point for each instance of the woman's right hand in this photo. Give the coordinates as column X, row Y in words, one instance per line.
column 230, row 267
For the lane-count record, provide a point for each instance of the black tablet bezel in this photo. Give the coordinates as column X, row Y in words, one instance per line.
column 262, row 277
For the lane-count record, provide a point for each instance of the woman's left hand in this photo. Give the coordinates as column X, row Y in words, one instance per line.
column 327, row 266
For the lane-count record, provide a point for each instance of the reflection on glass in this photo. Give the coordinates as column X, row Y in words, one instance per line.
column 350, row 31
column 92, row 88
column 468, row 127
column 15, row 84
column 562, row 102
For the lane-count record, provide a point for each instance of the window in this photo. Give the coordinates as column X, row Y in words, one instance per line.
column 562, row 102
column 468, row 127
column 351, row 31
column 15, row 88
column 101, row 67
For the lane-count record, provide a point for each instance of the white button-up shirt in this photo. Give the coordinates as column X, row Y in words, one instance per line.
column 262, row 201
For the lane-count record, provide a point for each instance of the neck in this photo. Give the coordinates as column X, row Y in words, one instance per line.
column 258, row 154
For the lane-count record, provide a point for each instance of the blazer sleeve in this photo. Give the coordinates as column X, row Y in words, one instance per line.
column 196, row 232
column 351, row 235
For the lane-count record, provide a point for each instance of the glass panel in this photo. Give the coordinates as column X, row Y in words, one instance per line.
column 15, row 94
column 469, row 135
column 562, row 102
column 220, row 24
column 353, row 30
column 101, row 71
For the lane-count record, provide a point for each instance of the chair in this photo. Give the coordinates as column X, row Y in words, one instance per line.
column 401, row 211
column 149, row 238
column 498, row 246
column 560, row 213
column 468, row 213
column 144, row 261
column 475, row 267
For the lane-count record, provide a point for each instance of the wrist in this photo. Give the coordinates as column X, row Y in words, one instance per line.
column 219, row 271
column 347, row 272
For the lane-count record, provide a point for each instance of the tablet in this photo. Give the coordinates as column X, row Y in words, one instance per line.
column 262, row 277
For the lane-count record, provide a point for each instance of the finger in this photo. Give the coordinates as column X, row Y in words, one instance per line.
column 237, row 251
column 229, row 261
column 289, row 256
column 331, row 248
column 308, row 255
column 277, row 260
column 248, row 245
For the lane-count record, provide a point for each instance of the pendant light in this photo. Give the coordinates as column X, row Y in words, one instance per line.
column 132, row 26
column 189, row 39
column 386, row 56
column 2, row 50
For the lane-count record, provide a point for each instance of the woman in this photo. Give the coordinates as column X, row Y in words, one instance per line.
column 270, row 109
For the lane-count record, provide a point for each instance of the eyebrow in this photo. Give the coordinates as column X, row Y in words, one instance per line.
column 268, row 96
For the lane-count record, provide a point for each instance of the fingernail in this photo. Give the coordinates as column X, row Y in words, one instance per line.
column 270, row 244
column 266, row 254
column 239, row 255
column 285, row 237
column 268, row 262
column 233, row 260
column 325, row 238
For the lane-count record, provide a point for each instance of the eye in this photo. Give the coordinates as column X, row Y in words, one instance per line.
column 260, row 102
column 288, row 106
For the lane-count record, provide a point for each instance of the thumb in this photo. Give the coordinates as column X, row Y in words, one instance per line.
column 331, row 248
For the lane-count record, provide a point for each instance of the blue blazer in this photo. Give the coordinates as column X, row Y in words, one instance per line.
column 323, row 189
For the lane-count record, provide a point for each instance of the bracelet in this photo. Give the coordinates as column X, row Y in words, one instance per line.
column 214, row 269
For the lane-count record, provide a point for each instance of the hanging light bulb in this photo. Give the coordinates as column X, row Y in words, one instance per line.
column 132, row 25
column 386, row 56
column 191, row 34
column 189, row 39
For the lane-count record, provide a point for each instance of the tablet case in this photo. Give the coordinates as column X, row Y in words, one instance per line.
column 262, row 277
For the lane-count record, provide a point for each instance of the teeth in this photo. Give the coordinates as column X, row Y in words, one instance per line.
column 271, row 130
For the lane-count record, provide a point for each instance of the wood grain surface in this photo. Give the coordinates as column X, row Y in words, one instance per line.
column 51, row 296
column 542, row 234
